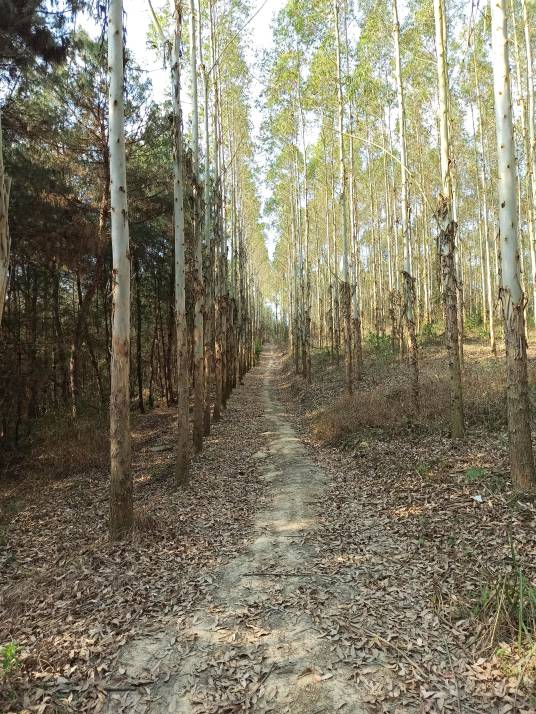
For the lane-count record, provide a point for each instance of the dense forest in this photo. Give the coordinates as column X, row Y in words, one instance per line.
column 267, row 341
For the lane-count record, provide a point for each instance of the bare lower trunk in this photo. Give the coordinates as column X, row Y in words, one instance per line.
column 199, row 369
column 208, row 332
column 520, row 443
column 329, row 321
column 394, row 311
column 358, row 346
column 409, row 311
column 224, row 349
column 346, row 306
column 450, row 307
column 218, row 372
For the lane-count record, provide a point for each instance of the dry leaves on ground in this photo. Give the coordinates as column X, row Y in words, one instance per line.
column 70, row 599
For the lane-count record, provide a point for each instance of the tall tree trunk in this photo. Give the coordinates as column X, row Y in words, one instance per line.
column 199, row 382
column 219, row 234
column 484, row 194
column 345, row 288
column 408, row 279
column 306, row 278
column 531, row 157
column 512, row 298
column 208, row 311
column 181, row 328
column 447, row 231
column 121, row 493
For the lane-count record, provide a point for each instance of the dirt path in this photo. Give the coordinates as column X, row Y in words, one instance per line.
column 289, row 577
column 251, row 646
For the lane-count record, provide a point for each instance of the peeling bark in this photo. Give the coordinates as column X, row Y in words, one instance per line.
column 511, row 294
column 121, row 495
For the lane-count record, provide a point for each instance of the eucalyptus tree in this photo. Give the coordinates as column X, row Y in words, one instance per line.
column 512, row 298
column 208, row 242
column 220, row 245
column 447, row 227
column 483, row 200
column 198, row 339
column 238, row 223
column 530, row 145
column 407, row 273
column 181, row 333
column 121, row 501
column 343, row 193
column 285, row 132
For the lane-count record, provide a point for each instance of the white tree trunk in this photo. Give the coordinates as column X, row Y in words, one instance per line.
column 484, row 193
column 121, row 508
column 345, row 287
column 409, row 282
column 531, row 158
column 513, row 300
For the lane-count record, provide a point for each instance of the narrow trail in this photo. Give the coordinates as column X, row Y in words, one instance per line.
column 252, row 645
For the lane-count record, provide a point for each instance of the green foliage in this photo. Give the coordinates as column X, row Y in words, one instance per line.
column 380, row 345
column 474, row 326
column 258, row 347
column 474, row 473
column 493, row 482
column 430, row 333
column 9, row 657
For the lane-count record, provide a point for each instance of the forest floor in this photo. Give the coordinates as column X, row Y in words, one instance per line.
column 330, row 555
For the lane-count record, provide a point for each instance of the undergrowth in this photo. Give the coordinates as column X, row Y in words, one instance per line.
column 381, row 346
column 507, row 606
column 387, row 404
column 60, row 446
column 9, row 658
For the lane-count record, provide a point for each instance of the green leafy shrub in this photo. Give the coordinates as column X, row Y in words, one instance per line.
column 431, row 333
column 474, row 326
column 473, row 474
column 380, row 345
column 9, row 657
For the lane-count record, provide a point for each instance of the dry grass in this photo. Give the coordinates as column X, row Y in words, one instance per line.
column 383, row 401
column 145, row 521
column 60, row 447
